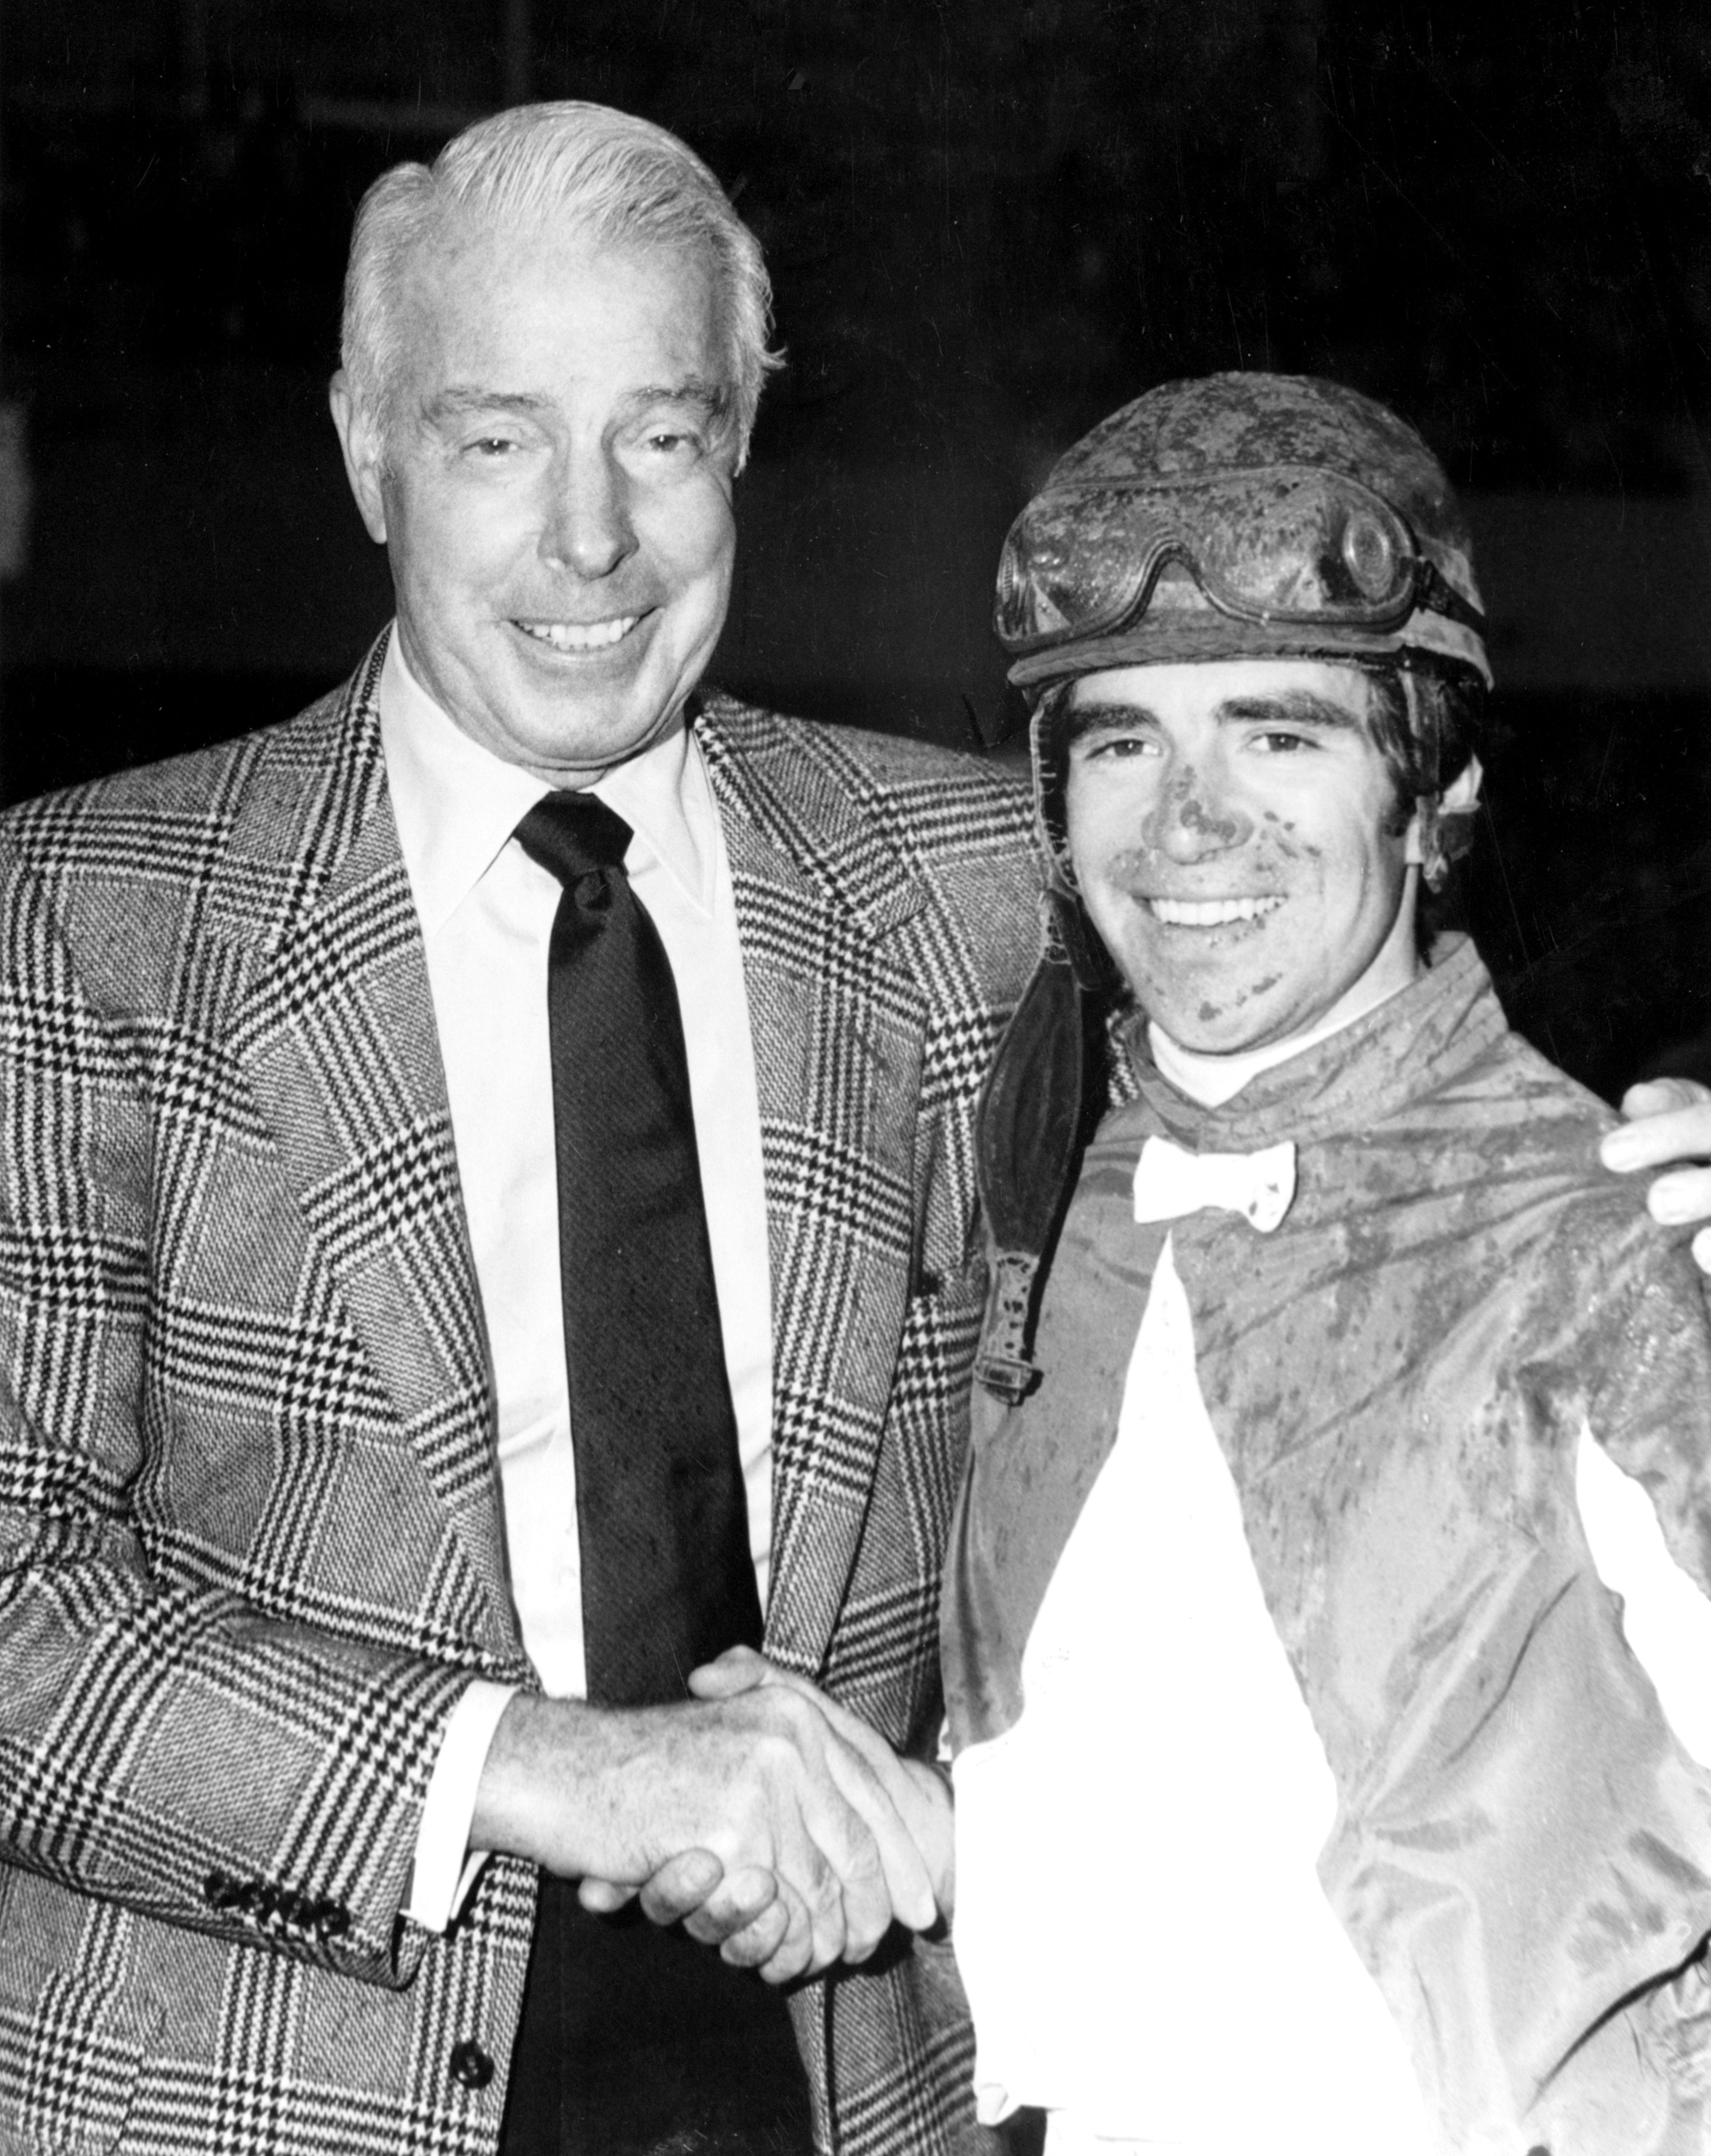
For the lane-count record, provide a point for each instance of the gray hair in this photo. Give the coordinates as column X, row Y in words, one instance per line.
column 620, row 180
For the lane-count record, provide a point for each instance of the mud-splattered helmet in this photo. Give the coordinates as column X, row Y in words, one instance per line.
column 1239, row 514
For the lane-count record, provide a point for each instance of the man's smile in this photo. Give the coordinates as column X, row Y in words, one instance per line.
column 578, row 635
column 1211, row 912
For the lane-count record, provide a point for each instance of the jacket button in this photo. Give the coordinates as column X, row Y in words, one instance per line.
column 221, row 1891
column 471, row 2066
column 328, row 1920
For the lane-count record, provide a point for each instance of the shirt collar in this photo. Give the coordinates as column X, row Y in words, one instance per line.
column 1213, row 1079
column 457, row 804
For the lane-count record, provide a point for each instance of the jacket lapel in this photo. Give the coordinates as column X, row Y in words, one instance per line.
column 337, row 1036
column 838, row 1025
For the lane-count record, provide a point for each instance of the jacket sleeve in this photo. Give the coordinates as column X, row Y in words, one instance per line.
column 177, row 1746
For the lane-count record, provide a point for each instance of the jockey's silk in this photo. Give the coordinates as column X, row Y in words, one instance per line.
column 1398, row 1379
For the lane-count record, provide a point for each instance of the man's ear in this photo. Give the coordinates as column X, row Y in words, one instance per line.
column 360, row 440
column 1460, row 798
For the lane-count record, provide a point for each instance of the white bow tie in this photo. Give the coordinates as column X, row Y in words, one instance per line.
column 1260, row 1186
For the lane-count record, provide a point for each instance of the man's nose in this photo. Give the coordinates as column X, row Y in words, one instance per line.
column 1197, row 816
column 587, row 528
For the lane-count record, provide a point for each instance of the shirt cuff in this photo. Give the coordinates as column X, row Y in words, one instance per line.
column 446, row 1865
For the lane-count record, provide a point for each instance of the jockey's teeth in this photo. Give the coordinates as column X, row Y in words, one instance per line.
column 1210, row 912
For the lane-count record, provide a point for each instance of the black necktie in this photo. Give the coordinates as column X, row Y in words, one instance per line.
column 667, row 1580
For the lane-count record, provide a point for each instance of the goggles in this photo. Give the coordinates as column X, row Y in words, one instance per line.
column 1285, row 546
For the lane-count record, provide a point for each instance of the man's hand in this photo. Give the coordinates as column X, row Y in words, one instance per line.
column 918, row 1792
column 1669, row 1121
column 690, row 1890
column 812, row 1860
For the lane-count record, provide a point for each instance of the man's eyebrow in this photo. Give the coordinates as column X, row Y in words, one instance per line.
column 1295, row 707
column 1095, row 718
column 463, row 398
column 700, row 390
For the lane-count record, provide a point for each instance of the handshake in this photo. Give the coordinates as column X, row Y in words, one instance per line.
column 769, row 1820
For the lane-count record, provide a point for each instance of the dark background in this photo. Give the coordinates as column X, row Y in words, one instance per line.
column 988, row 224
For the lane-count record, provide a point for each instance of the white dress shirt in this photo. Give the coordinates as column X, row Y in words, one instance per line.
column 486, row 912
column 1130, row 2013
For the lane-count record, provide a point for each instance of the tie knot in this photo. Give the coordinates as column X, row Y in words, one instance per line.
column 573, row 834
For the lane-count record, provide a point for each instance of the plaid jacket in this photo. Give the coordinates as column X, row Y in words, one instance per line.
column 250, row 1533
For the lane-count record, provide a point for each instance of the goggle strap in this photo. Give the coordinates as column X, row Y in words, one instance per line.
column 1436, row 594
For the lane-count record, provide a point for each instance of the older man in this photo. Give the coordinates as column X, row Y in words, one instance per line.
column 1304, row 1573
column 488, row 1222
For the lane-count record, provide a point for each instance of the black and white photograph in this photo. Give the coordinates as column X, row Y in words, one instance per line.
column 855, row 1078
